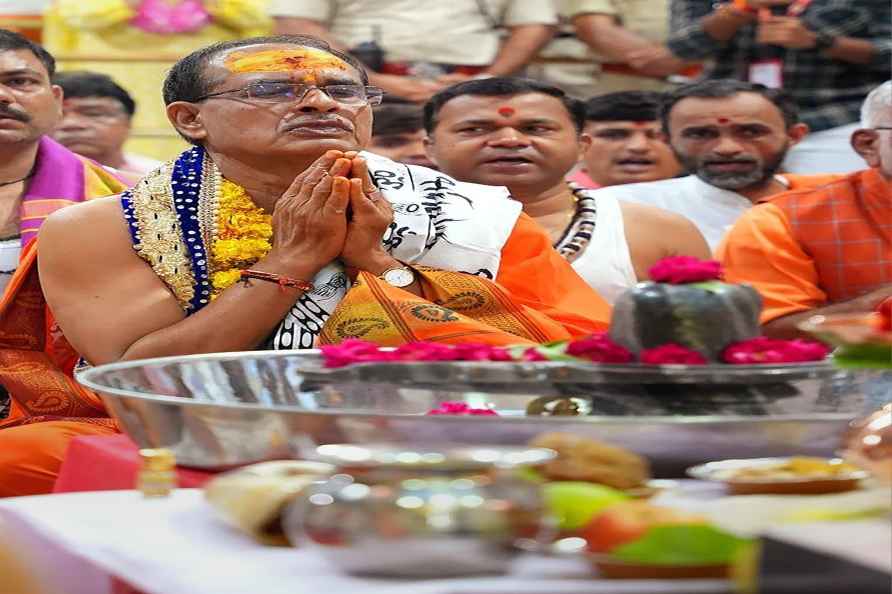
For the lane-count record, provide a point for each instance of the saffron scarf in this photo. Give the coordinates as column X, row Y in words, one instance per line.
column 36, row 361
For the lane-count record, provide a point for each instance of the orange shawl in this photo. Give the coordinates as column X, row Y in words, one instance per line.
column 35, row 359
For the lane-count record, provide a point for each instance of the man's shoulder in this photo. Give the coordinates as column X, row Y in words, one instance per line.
column 842, row 187
column 646, row 191
column 86, row 215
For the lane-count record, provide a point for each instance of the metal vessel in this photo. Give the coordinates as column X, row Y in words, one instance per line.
column 223, row 410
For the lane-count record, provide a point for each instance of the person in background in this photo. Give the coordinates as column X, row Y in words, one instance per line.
column 526, row 136
column 137, row 41
column 413, row 52
column 827, row 54
column 96, row 118
column 627, row 142
column 589, row 56
column 38, row 176
column 731, row 137
column 398, row 134
column 825, row 250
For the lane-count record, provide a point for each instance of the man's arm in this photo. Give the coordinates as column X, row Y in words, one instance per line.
column 653, row 234
column 605, row 35
column 761, row 250
column 522, row 45
column 112, row 306
column 861, row 36
column 788, row 326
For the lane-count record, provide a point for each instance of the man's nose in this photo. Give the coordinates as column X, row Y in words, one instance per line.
column 508, row 137
column 638, row 143
column 726, row 145
column 317, row 100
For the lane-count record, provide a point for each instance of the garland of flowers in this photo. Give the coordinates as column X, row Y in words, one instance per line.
column 244, row 234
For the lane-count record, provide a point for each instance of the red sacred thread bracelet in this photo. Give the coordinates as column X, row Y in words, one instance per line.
column 283, row 281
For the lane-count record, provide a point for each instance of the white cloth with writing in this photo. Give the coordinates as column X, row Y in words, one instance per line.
column 437, row 222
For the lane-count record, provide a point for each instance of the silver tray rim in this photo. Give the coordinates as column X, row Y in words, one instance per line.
column 85, row 377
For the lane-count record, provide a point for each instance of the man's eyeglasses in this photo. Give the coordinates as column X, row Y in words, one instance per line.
column 281, row 92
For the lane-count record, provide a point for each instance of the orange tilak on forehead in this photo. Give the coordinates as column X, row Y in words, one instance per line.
column 284, row 60
column 506, row 111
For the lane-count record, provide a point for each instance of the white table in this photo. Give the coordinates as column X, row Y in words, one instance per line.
column 175, row 545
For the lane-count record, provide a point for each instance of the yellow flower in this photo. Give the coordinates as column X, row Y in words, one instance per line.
column 244, row 231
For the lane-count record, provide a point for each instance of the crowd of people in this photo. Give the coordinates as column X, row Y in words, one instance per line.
column 346, row 179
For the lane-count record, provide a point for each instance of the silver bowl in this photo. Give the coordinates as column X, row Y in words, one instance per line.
column 228, row 409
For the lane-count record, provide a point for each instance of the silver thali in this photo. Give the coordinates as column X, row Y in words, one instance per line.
column 227, row 409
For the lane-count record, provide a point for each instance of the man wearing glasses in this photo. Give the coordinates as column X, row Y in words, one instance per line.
column 96, row 118
column 275, row 232
column 825, row 250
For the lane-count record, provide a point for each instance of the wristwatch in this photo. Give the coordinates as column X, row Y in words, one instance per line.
column 823, row 41
column 398, row 277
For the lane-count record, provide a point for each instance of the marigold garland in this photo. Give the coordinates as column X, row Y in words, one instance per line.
column 244, row 234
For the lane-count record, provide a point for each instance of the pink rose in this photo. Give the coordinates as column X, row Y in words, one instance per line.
column 533, row 355
column 671, row 354
column 598, row 348
column 424, row 351
column 461, row 408
column 678, row 270
column 480, row 352
column 353, row 351
column 763, row 350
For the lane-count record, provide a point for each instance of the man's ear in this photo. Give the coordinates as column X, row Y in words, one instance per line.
column 797, row 132
column 428, row 142
column 866, row 143
column 59, row 96
column 585, row 143
column 186, row 118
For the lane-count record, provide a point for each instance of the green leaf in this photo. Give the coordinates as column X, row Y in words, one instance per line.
column 697, row 544
column 714, row 286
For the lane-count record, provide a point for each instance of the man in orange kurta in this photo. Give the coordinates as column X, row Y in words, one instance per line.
column 825, row 250
column 47, row 408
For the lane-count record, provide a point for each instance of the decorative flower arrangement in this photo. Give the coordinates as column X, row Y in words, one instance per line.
column 462, row 408
column 597, row 348
column 763, row 350
column 679, row 270
column 671, row 354
column 244, row 234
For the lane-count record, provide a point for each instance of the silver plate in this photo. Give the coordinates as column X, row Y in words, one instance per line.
column 723, row 471
column 227, row 409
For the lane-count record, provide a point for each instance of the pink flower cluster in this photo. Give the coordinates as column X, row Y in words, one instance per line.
column 359, row 351
column 671, row 354
column 598, row 348
column 461, row 408
column 679, row 270
column 763, row 350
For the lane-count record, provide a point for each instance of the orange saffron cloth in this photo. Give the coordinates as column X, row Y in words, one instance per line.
column 809, row 248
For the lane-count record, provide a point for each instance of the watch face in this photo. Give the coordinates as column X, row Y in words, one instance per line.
column 399, row 277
